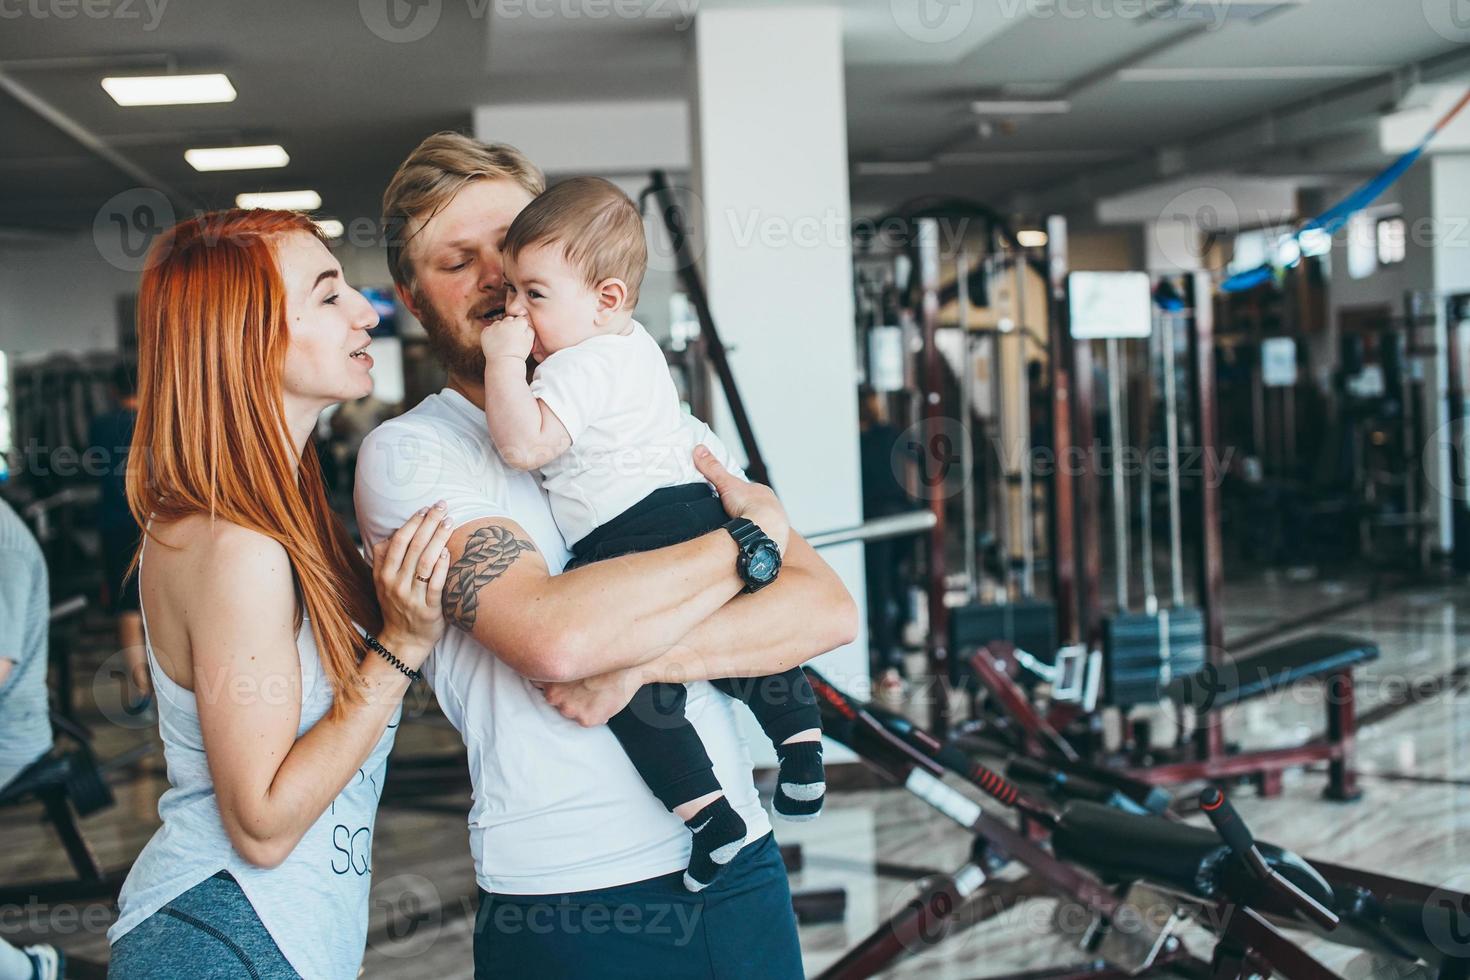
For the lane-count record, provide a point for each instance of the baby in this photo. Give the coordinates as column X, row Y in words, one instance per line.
column 602, row 422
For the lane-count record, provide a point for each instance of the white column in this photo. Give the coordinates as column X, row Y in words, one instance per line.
column 1450, row 180
column 1450, row 251
column 770, row 166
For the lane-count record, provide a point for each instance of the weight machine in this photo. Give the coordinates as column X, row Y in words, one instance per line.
column 1138, row 874
column 1025, row 651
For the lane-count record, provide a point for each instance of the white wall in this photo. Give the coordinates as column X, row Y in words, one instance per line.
column 621, row 141
column 1412, row 196
column 59, row 294
column 588, row 137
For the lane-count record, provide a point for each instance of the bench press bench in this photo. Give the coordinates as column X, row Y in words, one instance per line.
column 67, row 786
column 1139, row 875
column 1326, row 658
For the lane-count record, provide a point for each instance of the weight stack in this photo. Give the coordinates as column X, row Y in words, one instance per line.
column 1030, row 624
column 1142, row 653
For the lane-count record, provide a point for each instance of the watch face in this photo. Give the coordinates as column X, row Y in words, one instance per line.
column 764, row 562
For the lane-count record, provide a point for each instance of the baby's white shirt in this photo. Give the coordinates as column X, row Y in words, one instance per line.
column 630, row 434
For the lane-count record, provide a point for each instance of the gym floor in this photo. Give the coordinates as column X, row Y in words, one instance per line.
column 1414, row 819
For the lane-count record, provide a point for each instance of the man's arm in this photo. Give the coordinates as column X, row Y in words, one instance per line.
column 805, row 612
column 610, row 614
column 604, row 616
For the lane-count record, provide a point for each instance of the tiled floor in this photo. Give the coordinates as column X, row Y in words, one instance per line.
column 1414, row 821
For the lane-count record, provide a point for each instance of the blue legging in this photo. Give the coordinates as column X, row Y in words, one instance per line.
column 210, row 932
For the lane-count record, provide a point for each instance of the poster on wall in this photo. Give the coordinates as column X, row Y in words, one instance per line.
column 1107, row 305
column 1278, row 362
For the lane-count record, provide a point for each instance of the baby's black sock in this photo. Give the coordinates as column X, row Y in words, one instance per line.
column 801, row 786
column 719, row 833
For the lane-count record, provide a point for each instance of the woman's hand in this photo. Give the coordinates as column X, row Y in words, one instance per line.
column 409, row 570
column 753, row 501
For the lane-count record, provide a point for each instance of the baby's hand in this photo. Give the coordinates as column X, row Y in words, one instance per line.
column 509, row 336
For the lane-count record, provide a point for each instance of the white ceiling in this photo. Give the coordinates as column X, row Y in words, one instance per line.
column 348, row 103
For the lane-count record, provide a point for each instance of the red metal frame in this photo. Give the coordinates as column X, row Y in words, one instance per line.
column 1013, row 700
column 1211, row 759
column 1064, row 530
column 1211, row 556
column 925, row 922
column 1248, row 942
column 926, row 255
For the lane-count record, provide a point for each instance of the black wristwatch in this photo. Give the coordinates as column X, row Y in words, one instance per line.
column 760, row 560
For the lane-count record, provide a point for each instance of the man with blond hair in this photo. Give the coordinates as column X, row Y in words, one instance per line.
column 579, row 866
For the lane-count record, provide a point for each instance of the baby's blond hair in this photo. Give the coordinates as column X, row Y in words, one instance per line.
column 598, row 227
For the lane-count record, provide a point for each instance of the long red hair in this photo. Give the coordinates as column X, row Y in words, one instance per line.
column 211, row 436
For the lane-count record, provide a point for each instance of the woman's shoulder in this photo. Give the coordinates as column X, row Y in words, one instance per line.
column 214, row 577
column 198, row 546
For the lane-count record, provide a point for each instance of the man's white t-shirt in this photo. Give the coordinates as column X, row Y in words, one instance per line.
column 630, row 435
column 557, row 807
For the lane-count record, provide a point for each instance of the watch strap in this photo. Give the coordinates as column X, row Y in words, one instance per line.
column 744, row 531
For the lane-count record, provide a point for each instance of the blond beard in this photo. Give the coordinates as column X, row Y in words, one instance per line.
column 461, row 359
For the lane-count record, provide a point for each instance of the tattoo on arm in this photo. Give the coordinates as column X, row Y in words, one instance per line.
column 488, row 554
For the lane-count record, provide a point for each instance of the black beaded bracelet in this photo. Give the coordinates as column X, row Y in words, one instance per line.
column 386, row 654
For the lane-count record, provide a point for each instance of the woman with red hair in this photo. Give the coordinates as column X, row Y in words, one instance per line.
column 278, row 655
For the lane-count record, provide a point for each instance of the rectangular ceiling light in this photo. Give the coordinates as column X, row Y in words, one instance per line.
column 129, row 90
column 1282, row 73
column 237, row 158
column 281, row 200
column 331, row 227
column 1031, row 238
column 1020, row 107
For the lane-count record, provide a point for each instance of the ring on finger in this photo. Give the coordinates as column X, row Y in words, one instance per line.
column 421, row 578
